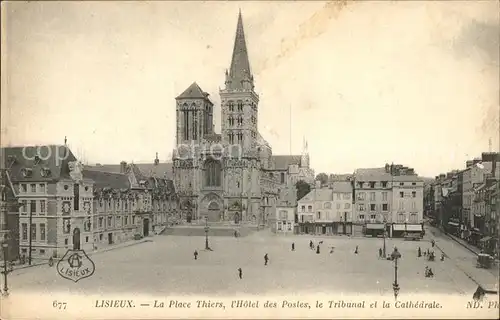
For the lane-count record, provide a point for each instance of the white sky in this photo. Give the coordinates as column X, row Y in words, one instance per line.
column 368, row 83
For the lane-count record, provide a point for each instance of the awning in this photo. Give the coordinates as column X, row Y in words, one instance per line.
column 375, row 226
column 487, row 238
column 453, row 224
column 414, row 227
column 398, row 227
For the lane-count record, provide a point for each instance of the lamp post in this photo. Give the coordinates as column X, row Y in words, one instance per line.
column 5, row 247
column 384, row 249
column 206, row 234
column 395, row 255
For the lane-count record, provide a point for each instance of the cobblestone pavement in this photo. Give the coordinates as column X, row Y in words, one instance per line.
column 167, row 266
column 464, row 259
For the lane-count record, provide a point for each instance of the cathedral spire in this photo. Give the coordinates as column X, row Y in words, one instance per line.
column 240, row 76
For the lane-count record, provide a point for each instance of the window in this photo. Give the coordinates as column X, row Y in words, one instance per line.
column 100, row 222
column 310, row 208
column 289, row 226
column 24, row 231
column 401, row 183
column 327, row 205
column 133, row 219
column 338, row 205
column 401, row 218
column 384, row 184
column 240, row 106
column 66, row 242
column 414, row 206
column 23, row 188
column 33, row 206
column 401, row 206
column 109, row 221
column 372, row 207
column 283, row 215
column 413, row 183
column 212, row 173
column 361, row 217
column 361, row 196
column 42, row 251
column 24, row 250
column 347, row 196
column 361, row 207
column 401, row 194
column 385, row 207
column 42, row 187
column 33, row 231
column 347, row 206
column 282, row 177
column 279, row 225
column 372, row 196
column 33, row 187
column 372, row 184
column 42, row 206
column 373, row 216
column 87, row 239
column 303, row 208
column 413, row 194
column 318, row 216
column 24, row 206
column 413, row 218
column 384, row 196
column 42, row 231
column 360, row 184
column 339, row 196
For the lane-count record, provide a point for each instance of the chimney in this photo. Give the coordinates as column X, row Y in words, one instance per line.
column 492, row 157
column 410, row 172
column 387, row 168
column 123, row 167
column 476, row 160
column 468, row 163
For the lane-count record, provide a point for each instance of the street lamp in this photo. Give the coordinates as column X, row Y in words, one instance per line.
column 395, row 255
column 206, row 234
column 385, row 231
column 5, row 247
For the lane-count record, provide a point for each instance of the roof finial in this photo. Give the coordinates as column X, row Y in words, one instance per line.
column 65, row 140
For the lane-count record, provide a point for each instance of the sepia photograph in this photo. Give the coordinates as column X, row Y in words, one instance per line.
column 250, row 159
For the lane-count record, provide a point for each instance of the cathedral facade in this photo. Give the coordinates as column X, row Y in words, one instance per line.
column 231, row 175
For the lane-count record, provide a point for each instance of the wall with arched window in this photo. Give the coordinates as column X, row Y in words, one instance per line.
column 213, row 173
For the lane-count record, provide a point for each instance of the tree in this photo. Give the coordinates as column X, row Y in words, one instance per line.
column 323, row 177
column 303, row 188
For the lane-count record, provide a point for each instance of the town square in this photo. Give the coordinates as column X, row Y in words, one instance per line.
column 233, row 149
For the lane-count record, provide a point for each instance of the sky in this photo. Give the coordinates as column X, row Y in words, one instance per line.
column 365, row 82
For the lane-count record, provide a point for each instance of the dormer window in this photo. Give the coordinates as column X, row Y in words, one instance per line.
column 45, row 172
column 231, row 106
column 240, row 106
column 37, row 159
column 27, row 172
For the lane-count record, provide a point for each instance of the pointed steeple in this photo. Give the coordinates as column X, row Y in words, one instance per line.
column 240, row 76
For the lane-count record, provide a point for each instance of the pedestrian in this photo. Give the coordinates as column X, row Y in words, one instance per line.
column 51, row 262
column 195, row 255
column 380, row 252
column 293, row 246
column 419, row 252
column 266, row 259
column 240, row 273
column 442, row 256
column 317, row 249
column 433, row 243
column 428, row 252
column 356, row 251
column 311, row 245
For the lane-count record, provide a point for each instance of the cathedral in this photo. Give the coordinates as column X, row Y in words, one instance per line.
column 231, row 175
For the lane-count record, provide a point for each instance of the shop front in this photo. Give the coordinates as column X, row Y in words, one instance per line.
column 374, row 229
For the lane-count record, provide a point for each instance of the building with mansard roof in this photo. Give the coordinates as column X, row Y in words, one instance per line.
column 232, row 175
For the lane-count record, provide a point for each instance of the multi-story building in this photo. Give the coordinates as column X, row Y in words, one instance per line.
column 54, row 201
column 407, row 213
column 326, row 210
column 129, row 204
column 490, row 243
column 373, row 200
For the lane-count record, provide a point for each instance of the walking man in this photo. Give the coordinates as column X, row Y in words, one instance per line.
column 380, row 252
column 266, row 259
column 356, row 251
column 195, row 255
column 293, row 246
column 240, row 273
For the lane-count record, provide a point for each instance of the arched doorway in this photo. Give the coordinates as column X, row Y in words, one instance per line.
column 76, row 239
column 213, row 211
column 236, row 218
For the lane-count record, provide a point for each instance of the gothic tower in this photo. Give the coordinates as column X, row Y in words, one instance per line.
column 194, row 113
column 239, row 102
